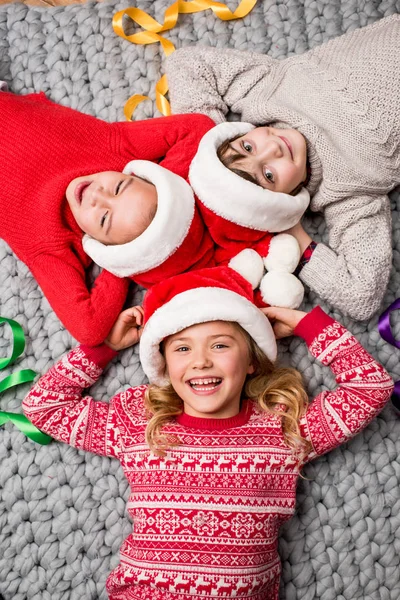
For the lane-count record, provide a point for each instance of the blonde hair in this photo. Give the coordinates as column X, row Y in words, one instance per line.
column 276, row 390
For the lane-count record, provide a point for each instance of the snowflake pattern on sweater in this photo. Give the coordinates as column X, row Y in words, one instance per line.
column 206, row 516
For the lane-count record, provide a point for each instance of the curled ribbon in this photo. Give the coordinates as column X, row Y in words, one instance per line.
column 385, row 331
column 152, row 34
column 23, row 376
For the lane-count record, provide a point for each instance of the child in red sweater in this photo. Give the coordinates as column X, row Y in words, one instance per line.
column 61, row 172
column 213, row 448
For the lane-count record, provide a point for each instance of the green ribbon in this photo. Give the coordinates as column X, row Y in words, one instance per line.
column 21, row 422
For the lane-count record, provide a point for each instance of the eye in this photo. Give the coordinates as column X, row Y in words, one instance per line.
column 219, row 346
column 182, row 349
column 103, row 219
column 269, row 176
column 118, row 186
column 247, row 146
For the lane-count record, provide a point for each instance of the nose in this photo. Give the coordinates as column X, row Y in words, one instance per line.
column 100, row 198
column 201, row 360
column 271, row 149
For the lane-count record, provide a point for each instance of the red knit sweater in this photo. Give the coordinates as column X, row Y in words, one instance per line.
column 206, row 517
column 43, row 147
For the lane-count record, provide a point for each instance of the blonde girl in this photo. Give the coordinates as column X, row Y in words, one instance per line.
column 213, row 448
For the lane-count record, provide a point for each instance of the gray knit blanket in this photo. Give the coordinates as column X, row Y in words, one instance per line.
column 62, row 512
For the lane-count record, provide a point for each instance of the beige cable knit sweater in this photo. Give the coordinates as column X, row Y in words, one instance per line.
column 344, row 97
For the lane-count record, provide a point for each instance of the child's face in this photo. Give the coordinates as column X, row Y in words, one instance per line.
column 276, row 158
column 207, row 365
column 111, row 207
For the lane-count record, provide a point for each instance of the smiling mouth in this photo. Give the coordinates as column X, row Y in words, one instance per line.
column 289, row 147
column 79, row 191
column 209, row 384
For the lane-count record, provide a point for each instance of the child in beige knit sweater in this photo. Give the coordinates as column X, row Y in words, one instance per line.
column 333, row 123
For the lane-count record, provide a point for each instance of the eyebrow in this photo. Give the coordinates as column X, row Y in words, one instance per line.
column 240, row 151
column 212, row 337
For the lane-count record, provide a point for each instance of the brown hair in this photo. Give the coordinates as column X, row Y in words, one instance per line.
column 228, row 156
column 277, row 390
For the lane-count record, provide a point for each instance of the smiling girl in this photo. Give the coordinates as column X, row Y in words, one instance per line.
column 213, row 448
column 328, row 125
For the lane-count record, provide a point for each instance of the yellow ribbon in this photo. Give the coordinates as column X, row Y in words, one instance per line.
column 152, row 34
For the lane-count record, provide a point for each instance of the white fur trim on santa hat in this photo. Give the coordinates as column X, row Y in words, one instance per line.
column 283, row 253
column 166, row 232
column 199, row 305
column 249, row 264
column 281, row 289
column 235, row 199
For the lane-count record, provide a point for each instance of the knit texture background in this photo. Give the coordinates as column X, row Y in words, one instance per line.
column 62, row 512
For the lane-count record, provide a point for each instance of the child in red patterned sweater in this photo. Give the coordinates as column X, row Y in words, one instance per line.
column 213, row 448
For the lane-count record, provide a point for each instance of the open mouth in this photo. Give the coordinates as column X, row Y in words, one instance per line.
column 209, row 384
column 289, row 147
column 79, row 191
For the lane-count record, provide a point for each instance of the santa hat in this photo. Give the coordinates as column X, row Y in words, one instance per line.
column 174, row 217
column 216, row 294
column 237, row 200
column 243, row 217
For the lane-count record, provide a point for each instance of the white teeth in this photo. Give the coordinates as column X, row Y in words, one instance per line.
column 205, row 381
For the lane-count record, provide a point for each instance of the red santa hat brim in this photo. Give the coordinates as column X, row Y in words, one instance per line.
column 215, row 294
column 235, row 199
column 166, row 232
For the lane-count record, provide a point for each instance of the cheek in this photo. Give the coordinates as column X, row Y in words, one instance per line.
column 294, row 174
column 174, row 367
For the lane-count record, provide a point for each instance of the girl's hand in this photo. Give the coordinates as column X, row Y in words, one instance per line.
column 126, row 330
column 283, row 320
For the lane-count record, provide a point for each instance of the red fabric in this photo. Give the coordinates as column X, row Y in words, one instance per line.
column 43, row 147
column 101, row 354
column 195, row 252
column 312, row 323
column 221, row 277
column 230, row 238
column 306, row 257
column 217, row 500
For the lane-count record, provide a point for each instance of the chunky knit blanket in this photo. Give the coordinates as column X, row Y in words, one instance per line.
column 62, row 512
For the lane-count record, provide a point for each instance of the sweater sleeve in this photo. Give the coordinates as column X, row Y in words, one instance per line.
column 363, row 385
column 56, row 406
column 87, row 314
column 172, row 140
column 213, row 81
column 353, row 272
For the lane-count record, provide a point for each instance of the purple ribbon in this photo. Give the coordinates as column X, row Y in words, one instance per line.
column 384, row 324
column 385, row 330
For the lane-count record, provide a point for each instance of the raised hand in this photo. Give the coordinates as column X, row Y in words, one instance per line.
column 283, row 320
column 127, row 329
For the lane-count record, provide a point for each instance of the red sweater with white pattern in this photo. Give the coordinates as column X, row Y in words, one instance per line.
column 206, row 517
column 44, row 146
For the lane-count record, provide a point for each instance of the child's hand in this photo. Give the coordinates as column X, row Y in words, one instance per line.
column 283, row 320
column 126, row 330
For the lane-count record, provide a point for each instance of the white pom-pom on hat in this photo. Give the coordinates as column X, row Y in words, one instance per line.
column 249, row 264
column 283, row 254
column 281, row 289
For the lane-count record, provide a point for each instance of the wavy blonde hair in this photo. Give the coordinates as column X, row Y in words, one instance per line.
column 277, row 390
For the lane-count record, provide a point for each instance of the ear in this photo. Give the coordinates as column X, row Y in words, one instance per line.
column 251, row 369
